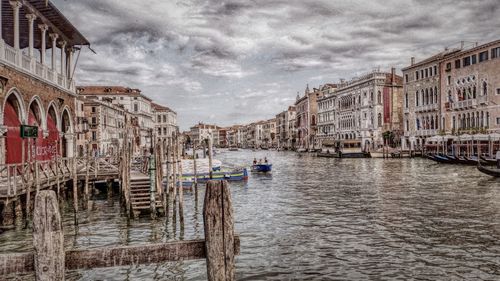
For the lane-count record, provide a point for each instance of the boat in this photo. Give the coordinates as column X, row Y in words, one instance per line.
column 494, row 172
column 263, row 168
column 488, row 161
column 232, row 175
column 440, row 158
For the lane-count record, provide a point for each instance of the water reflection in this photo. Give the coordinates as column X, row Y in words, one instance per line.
column 313, row 218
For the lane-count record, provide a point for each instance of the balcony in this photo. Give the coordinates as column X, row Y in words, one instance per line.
column 426, row 133
column 482, row 100
column 465, row 104
column 28, row 65
column 427, row 108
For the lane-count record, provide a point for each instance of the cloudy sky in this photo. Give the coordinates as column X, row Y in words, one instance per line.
column 229, row 62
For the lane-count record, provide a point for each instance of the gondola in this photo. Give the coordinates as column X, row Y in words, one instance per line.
column 441, row 159
column 489, row 161
column 494, row 172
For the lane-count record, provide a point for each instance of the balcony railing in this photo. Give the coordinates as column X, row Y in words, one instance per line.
column 427, row 107
column 482, row 99
column 29, row 65
column 465, row 104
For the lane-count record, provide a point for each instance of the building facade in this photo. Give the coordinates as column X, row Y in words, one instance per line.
column 470, row 96
column 133, row 101
column 285, row 128
column 165, row 121
column 366, row 108
column 306, row 118
column 326, row 114
column 37, row 87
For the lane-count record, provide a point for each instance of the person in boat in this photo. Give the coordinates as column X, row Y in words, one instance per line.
column 265, row 160
column 498, row 159
column 255, row 161
column 260, row 161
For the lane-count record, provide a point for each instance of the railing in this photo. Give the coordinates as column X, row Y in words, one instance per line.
column 27, row 64
column 465, row 104
column 482, row 99
column 17, row 178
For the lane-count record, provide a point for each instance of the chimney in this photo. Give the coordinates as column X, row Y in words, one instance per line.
column 412, row 60
column 393, row 75
column 462, row 43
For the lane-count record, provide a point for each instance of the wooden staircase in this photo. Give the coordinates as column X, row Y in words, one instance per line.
column 140, row 195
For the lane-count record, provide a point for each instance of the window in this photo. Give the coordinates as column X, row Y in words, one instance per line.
column 94, row 136
column 457, row 64
column 380, row 119
column 159, row 131
column 416, row 75
column 466, row 61
column 448, row 66
column 136, row 107
column 483, row 56
column 449, row 80
column 485, row 88
column 474, row 59
column 498, row 91
column 94, row 120
column 379, row 97
column 93, row 109
column 416, row 98
column 435, row 70
column 406, row 78
column 495, row 53
column 159, row 118
column 426, row 73
column 406, row 100
column 498, row 120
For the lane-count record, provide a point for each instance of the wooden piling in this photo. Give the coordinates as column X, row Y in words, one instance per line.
column 219, row 231
column 181, row 188
column 48, row 237
column 210, row 167
column 195, row 174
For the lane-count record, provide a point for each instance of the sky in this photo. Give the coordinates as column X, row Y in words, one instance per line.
column 235, row 62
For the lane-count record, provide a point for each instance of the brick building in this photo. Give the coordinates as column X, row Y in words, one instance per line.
column 36, row 86
column 165, row 120
column 306, row 118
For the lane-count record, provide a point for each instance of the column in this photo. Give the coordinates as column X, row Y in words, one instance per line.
column 69, row 62
column 43, row 29
column 15, row 7
column 31, row 19
column 53, row 37
column 63, row 64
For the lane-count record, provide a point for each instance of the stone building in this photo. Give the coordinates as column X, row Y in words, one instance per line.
column 285, row 128
column 106, row 127
column 165, row 120
column 132, row 101
column 36, row 86
column 269, row 133
column 306, row 118
column 422, row 100
column 470, row 96
column 200, row 132
column 326, row 114
column 368, row 106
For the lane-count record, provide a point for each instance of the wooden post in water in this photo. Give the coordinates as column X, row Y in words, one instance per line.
column 167, row 193
column 174, row 178
column 210, row 167
column 87, row 172
column 48, row 238
column 181, row 188
column 195, row 176
column 219, row 232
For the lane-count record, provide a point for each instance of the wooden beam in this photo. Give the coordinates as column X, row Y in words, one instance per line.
column 114, row 256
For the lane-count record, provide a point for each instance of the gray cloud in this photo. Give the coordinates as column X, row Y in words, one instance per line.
column 242, row 60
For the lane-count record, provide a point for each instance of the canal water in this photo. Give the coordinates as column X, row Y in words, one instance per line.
column 320, row 219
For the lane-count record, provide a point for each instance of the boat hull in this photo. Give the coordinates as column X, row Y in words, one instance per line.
column 237, row 175
column 489, row 171
column 263, row 168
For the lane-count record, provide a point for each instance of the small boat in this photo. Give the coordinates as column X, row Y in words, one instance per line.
column 441, row 159
column 488, row 161
column 494, row 172
column 234, row 175
column 263, row 168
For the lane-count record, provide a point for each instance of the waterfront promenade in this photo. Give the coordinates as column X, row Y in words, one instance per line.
column 319, row 218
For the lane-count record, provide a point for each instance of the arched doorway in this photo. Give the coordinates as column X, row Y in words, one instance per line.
column 35, row 146
column 67, row 130
column 13, row 116
column 52, row 140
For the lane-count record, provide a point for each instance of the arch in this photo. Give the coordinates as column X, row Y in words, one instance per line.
column 52, row 111
column 66, row 121
column 36, row 113
column 379, row 119
column 18, row 103
column 485, row 88
column 379, row 97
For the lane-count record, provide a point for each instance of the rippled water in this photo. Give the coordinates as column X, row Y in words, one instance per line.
column 322, row 219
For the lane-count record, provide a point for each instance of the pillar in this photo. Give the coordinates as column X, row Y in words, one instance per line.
column 31, row 19
column 69, row 137
column 15, row 8
column 43, row 29
column 53, row 37
column 63, row 64
column 3, row 131
column 69, row 62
